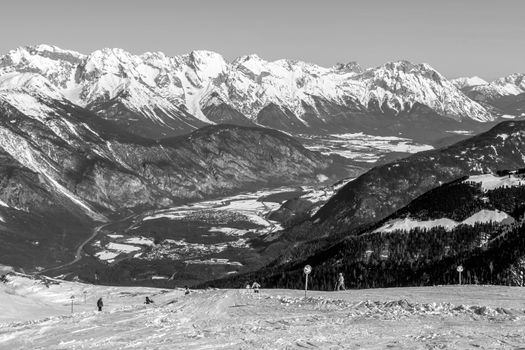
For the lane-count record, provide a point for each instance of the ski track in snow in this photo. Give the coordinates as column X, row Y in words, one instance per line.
column 449, row 317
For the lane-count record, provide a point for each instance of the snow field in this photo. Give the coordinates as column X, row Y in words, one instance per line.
column 362, row 147
column 482, row 216
column 453, row 317
column 490, row 182
column 113, row 250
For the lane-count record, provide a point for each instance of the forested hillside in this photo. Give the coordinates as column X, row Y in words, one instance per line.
column 477, row 222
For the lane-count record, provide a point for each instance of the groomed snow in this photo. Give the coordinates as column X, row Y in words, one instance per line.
column 449, row 317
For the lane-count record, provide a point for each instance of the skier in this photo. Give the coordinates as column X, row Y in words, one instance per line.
column 340, row 282
column 100, row 304
column 148, row 301
column 187, row 291
column 255, row 287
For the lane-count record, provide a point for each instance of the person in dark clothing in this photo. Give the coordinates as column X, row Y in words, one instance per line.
column 187, row 291
column 100, row 304
column 148, row 301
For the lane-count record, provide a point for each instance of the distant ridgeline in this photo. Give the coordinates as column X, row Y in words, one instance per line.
column 476, row 221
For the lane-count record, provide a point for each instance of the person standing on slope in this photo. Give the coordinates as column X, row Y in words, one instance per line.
column 255, row 287
column 100, row 304
column 340, row 282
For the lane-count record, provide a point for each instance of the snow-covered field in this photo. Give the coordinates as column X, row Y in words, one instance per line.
column 442, row 317
column 361, row 147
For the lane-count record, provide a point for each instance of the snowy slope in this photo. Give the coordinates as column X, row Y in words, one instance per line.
column 490, row 181
column 513, row 84
column 402, row 83
column 482, row 216
column 459, row 317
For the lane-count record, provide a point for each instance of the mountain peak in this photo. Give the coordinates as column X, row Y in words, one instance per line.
column 252, row 62
column 408, row 66
column 29, row 82
column 46, row 50
column 41, row 48
column 164, row 85
column 252, row 56
column 202, row 54
column 108, row 53
column 466, row 82
column 400, row 64
column 202, row 58
column 351, row 66
column 517, row 79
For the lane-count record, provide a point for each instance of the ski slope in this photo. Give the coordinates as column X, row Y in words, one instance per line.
column 451, row 317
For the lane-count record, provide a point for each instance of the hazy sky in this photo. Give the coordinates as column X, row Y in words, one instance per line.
column 457, row 37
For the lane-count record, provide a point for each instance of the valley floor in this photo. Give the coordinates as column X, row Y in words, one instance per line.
column 451, row 317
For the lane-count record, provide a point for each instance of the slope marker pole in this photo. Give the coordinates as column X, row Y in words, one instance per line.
column 307, row 270
column 460, row 270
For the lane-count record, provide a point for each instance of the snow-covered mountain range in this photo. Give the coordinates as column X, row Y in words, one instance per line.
column 511, row 85
column 86, row 138
column 155, row 95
